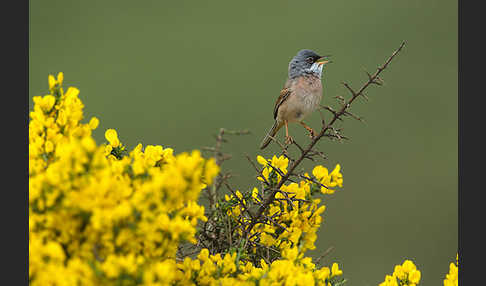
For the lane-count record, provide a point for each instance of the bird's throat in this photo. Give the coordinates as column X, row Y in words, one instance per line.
column 316, row 69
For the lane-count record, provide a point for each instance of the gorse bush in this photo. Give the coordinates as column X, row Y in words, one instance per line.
column 97, row 214
column 105, row 215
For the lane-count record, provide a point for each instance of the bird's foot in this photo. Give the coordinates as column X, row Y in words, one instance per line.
column 289, row 140
column 312, row 133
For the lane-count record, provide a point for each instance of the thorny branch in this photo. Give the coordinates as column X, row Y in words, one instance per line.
column 372, row 79
column 220, row 157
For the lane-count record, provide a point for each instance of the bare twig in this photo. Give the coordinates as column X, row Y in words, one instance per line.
column 220, row 157
column 312, row 180
column 275, row 223
column 324, row 254
column 96, row 253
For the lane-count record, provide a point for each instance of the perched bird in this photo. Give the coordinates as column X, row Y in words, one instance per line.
column 300, row 96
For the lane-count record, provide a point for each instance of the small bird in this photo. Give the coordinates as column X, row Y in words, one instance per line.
column 301, row 94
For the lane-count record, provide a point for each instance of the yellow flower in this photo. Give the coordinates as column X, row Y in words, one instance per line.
column 414, row 276
column 295, row 235
column 203, row 254
column 320, row 172
column 290, row 253
column 389, row 281
column 407, row 274
column 408, row 266
column 280, row 162
column 93, row 123
column 452, row 278
column 323, row 273
column 336, row 177
column 52, row 81
column 108, row 149
column 49, row 147
column 335, row 271
column 261, row 160
column 228, row 263
column 329, row 180
column 47, row 103
column 267, row 239
column 399, row 272
column 254, row 195
column 71, row 95
column 112, row 137
column 60, row 77
column 211, row 169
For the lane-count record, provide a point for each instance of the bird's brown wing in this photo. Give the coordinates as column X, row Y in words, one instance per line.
column 284, row 94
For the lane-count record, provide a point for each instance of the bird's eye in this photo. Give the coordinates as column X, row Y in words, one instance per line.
column 310, row 60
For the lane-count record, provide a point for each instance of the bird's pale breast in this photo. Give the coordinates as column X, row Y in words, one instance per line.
column 305, row 98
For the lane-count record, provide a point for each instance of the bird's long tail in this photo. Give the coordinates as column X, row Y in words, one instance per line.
column 276, row 126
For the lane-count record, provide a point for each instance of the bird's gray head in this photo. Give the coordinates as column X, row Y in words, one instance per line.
column 306, row 62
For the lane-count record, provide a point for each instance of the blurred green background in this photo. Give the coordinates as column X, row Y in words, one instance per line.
column 174, row 72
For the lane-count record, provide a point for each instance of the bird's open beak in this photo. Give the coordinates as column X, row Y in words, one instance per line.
column 323, row 60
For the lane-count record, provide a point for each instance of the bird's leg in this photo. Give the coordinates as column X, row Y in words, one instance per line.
column 311, row 131
column 288, row 139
